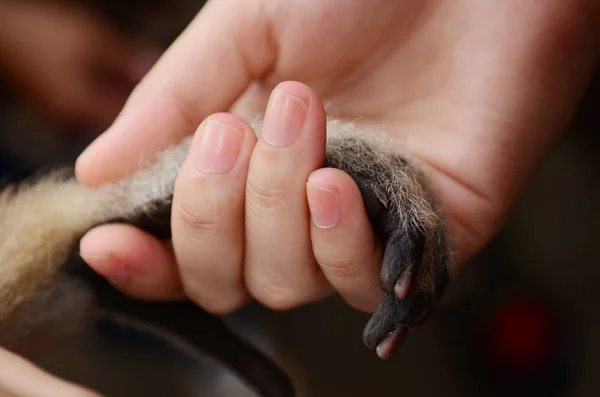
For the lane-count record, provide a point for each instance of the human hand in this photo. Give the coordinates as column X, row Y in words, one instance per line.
column 20, row 378
column 477, row 106
column 68, row 62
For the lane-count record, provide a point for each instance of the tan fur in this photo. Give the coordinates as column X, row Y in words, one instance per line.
column 352, row 147
column 40, row 222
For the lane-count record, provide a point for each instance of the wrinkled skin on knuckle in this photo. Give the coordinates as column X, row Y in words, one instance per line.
column 342, row 268
column 265, row 196
column 197, row 219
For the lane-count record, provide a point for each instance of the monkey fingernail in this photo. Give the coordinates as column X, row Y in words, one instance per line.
column 324, row 205
column 107, row 265
column 404, row 284
column 390, row 343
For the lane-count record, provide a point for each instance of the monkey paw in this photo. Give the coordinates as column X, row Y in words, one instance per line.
column 414, row 272
column 416, row 263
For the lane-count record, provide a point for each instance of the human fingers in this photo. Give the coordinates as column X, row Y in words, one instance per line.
column 20, row 378
column 343, row 241
column 133, row 261
column 187, row 84
column 208, row 213
column 280, row 269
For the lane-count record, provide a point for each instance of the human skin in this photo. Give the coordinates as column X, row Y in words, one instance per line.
column 477, row 91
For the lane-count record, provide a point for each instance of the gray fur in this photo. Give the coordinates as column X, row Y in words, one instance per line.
column 41, row 222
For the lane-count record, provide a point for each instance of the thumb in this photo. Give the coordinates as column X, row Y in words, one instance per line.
column 206, row 69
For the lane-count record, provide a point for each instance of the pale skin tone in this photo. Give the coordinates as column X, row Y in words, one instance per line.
column 476, row 90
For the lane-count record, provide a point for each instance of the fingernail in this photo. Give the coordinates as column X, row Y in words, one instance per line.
column 284, row 118
column 107, row 265
column 220, row 147
column 388, row 346
column 324, row 205
column 404, row 284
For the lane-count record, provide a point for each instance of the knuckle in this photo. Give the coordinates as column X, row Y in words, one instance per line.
column 265, row 195
column 340, row 267
column 198, row 218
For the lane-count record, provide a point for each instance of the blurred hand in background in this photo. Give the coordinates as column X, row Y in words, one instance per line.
column 68, row 62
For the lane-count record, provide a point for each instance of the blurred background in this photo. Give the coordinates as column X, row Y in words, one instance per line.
column 520, row 320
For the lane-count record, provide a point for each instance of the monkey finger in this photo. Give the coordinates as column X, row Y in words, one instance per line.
column 343, row 240
column 133, row 261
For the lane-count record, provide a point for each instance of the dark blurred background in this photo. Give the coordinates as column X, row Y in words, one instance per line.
column 520, row 319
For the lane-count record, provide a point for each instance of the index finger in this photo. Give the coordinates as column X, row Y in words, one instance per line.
column 204, row 71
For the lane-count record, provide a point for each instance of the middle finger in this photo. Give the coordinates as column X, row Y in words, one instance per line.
column 280, row 268
column 208, row 213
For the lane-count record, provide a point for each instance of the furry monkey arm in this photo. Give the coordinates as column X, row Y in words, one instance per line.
column 41, row 222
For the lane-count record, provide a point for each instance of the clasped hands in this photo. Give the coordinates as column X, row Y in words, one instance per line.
column 260, row 218
column 255, row 218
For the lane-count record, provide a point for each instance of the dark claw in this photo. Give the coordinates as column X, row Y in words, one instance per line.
column 401, row 260
column 403, row 274
column 392, row 314
column 388, row 346
column 404, row 245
